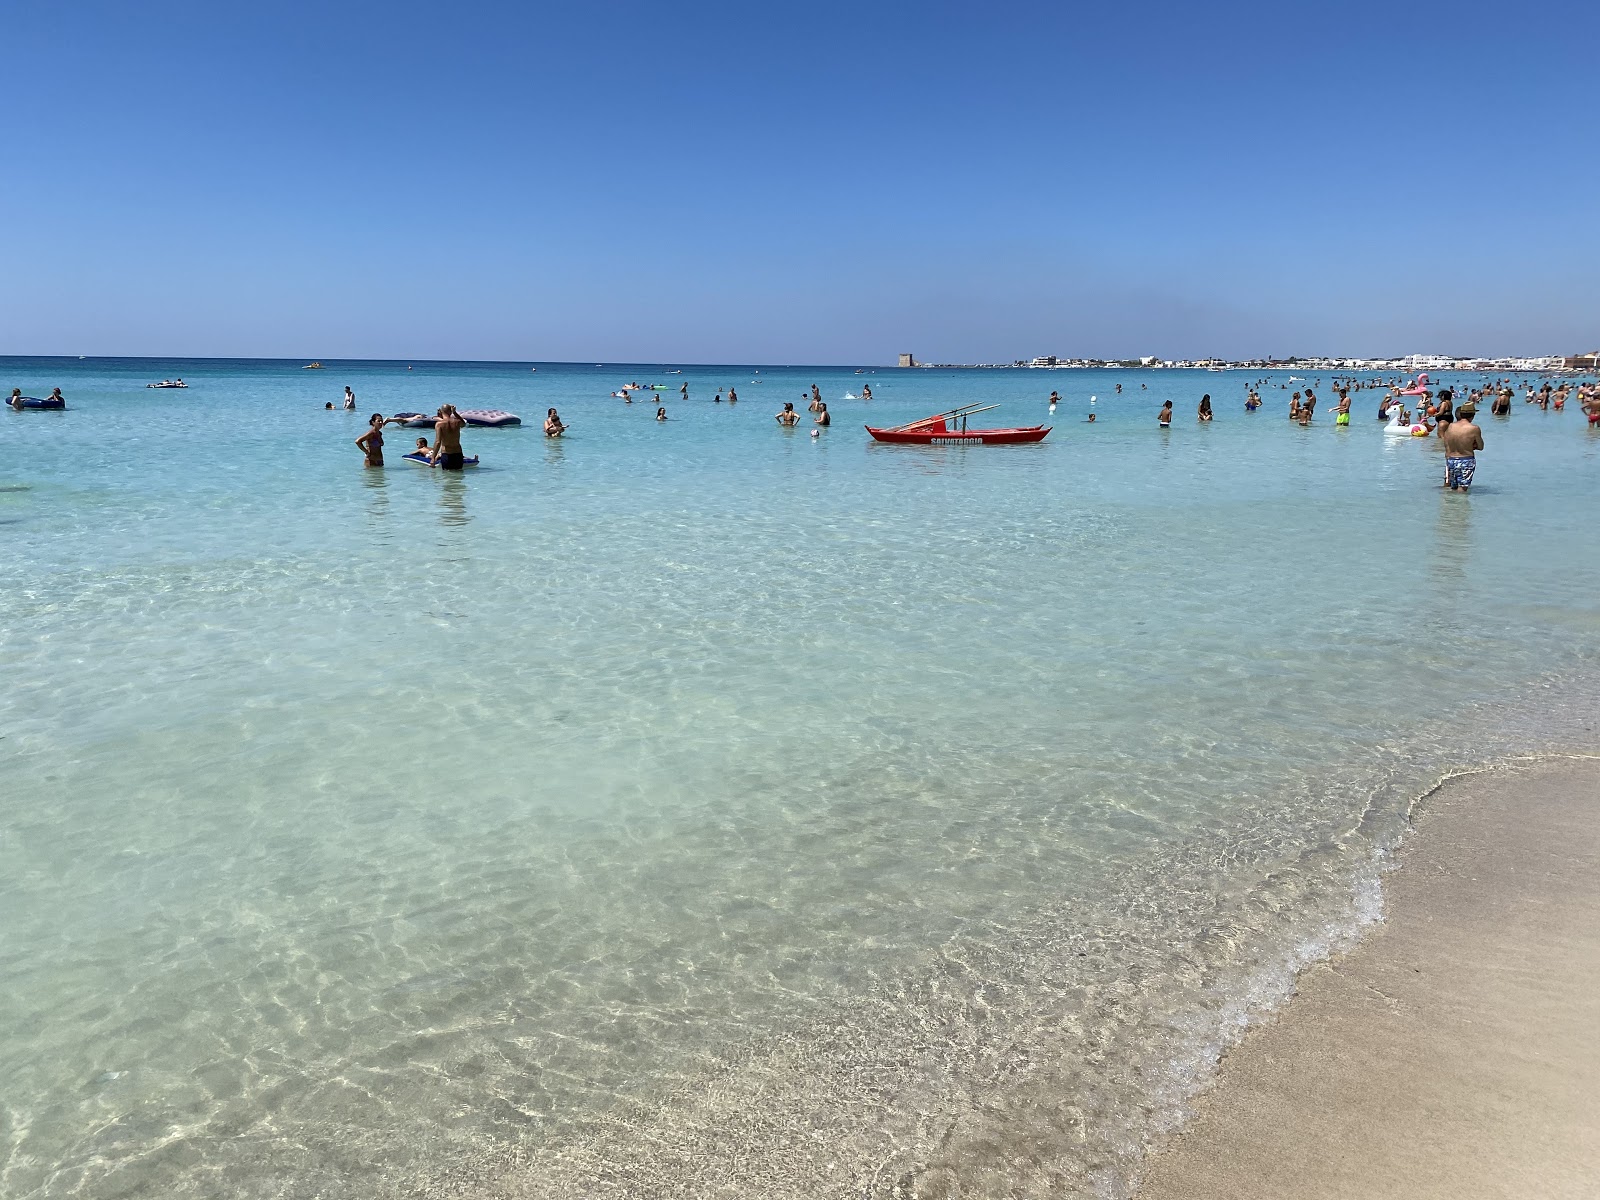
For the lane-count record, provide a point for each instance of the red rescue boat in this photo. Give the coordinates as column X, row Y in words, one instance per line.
column 950, row 429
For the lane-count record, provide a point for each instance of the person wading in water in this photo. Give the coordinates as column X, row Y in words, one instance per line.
column 447, row 439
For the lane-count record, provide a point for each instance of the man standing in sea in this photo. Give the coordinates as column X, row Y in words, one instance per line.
column 1461, row 438
column 447, row 439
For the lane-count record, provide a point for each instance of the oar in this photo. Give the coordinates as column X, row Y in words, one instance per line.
column 968, row 411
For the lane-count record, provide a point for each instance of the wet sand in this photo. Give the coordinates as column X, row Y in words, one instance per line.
column 1456, row 1051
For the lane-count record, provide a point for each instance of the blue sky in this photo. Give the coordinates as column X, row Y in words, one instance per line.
column 817, row 183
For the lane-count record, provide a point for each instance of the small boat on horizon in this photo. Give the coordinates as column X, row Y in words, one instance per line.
column 938, row 430
column 168, row 383
column 313, row 366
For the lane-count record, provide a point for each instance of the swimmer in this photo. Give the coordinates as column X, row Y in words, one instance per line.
column 788, row 416
column 661, row 414
column 553, row 428
column 16, row 399
column 1091, row 418
column 1165, row 416
column 349, row 400
column 328, row 407
column 1442, row 411
column 370, row 443
column 733, row 396
column 1205, row 408
column 866, row 391
column 822, row 415
column 1342, row 412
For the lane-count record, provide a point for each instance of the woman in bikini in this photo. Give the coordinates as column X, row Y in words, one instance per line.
column 370, row 443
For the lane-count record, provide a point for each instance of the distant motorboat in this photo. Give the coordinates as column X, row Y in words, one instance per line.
column 168, row 383
column 312, row 366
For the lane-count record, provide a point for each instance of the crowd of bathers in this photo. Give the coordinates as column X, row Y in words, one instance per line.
column 1417, row 401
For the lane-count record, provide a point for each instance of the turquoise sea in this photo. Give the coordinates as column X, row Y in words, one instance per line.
column 701, row 808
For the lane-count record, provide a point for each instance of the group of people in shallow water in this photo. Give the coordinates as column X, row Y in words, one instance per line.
column 1437, row 413
column 789, row 417
column 445, row 453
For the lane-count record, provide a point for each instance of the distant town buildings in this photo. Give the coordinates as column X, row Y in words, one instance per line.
column 1409, row 363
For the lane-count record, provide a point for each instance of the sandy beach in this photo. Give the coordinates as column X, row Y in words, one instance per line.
column 1454, row 1051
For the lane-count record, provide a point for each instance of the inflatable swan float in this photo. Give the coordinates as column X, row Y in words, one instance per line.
column 1398, row 428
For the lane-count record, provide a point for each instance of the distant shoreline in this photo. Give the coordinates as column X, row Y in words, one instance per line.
column 1552, row 364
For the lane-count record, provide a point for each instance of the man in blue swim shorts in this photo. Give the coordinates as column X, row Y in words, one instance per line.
column 1462, row 438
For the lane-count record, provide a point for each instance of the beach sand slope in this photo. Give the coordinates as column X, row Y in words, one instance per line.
column 1456, row 1051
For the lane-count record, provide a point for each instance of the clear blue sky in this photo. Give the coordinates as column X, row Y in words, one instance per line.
column 799, row 183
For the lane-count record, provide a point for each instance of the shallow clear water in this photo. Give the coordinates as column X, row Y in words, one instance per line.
column 702, row 808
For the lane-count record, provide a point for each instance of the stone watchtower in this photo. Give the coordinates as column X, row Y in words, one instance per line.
column 907, row 360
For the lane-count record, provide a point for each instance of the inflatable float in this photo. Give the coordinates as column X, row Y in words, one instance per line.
column 488, row 418
column 1398, row 428
column 37, row 402
column 1420, row 387
column 484, row 418
column 421, row 459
